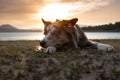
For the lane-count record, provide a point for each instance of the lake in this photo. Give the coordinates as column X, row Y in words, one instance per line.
column 38, row 35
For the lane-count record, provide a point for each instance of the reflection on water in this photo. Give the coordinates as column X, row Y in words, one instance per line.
column 39, row 35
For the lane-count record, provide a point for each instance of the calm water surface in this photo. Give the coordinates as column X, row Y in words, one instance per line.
column 39, row 35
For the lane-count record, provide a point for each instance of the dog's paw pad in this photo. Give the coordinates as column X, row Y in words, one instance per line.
column 50, row 50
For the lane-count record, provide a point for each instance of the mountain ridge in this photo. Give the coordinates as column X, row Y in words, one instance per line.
column 99, row 28
column 10, row 28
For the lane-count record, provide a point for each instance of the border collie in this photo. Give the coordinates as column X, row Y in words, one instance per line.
column 65, row 34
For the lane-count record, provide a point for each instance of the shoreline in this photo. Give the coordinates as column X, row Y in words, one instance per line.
column 38, row 40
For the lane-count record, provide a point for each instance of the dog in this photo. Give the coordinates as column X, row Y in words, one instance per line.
column 66, row 34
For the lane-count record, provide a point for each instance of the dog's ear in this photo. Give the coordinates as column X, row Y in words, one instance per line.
column 73, row 21
column 70, row 22
column 69, row 25
column 46, row 23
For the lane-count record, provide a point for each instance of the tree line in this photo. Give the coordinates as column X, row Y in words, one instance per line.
column 103, row 28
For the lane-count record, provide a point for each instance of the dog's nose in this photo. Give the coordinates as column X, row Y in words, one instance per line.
column 42, row 43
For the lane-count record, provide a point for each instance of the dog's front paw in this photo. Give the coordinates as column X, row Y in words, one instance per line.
column 50, row 50
column 105, row 47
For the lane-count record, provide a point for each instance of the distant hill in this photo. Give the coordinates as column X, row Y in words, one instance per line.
column 99, row 28
column 103, row 28
column 10, row 28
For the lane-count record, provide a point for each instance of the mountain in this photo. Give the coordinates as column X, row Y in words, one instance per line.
column 99, row 28
column 7, row 28
column 10, row 28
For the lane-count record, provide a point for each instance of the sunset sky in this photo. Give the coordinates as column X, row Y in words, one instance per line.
column 27, row 14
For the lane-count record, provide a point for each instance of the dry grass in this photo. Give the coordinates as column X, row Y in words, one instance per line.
column 20, row 60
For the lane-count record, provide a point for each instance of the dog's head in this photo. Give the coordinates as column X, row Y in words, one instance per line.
column 58, row 33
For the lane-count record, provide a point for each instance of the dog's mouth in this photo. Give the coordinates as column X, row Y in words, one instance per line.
column 57, row 45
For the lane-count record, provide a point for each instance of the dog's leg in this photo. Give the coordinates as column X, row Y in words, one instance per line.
column 103, row 47
column 50, row 49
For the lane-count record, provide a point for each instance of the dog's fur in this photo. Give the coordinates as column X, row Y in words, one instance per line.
column 64, row 34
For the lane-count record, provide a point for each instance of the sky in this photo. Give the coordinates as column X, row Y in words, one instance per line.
column 27, row 14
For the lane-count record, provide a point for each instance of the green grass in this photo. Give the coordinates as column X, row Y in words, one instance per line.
column 21, row 60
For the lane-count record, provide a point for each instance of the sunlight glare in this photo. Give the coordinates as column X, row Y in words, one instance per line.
column 54, row 11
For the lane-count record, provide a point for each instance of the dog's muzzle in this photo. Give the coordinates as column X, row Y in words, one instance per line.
column 42, row 43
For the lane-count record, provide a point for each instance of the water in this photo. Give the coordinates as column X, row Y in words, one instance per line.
column 103, row 35
column 21, row 36
column 39, row 36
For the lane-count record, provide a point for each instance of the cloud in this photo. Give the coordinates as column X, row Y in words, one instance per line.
column 26, row 7
column 83, row 6
column 19, row 8
column 14, row 6
column 79, row 7
column 20, row 11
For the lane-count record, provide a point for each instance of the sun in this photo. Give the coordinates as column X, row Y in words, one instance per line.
column 54, row 11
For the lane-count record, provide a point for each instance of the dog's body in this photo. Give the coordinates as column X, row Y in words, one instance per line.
column 64, row 34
